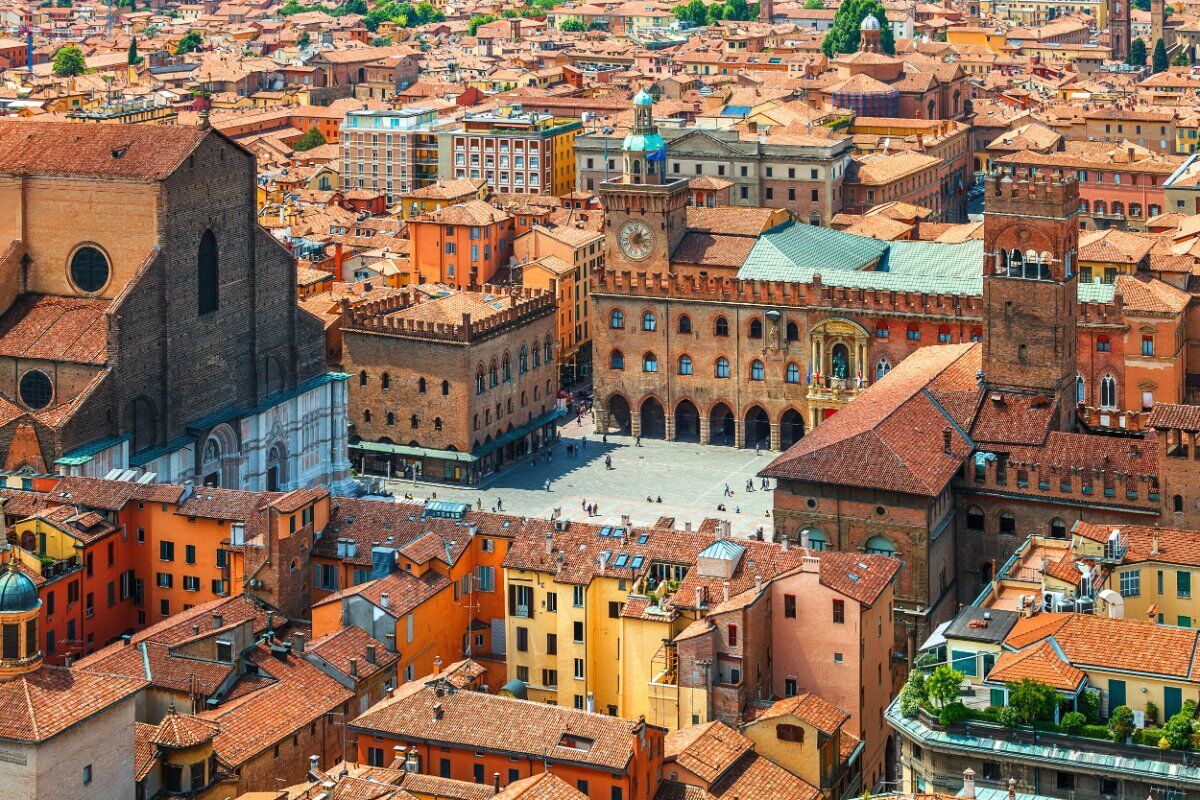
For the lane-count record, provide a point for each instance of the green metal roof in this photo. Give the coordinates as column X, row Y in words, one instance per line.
column 796, row 252
column 647, row 143
column 415, row 452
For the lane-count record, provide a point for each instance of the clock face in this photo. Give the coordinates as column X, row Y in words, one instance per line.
column 636, row 239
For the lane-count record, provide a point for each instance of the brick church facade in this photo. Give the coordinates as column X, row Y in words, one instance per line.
column 147, row 322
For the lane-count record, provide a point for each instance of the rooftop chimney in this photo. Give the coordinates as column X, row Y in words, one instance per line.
column 724, row 591
column 298, row 642
column 785, row 543
column 437, row 711
column 549, row 542
column 354, row 668
column 496, row 782
column 968, row 790
column 314, row 762
column 370, row 654
column 218, row 621
column 383, row 600
column 390, row 641
column 948, row 440
column 270, row 621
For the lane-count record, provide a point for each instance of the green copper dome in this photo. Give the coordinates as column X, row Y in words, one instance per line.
column 642, row 143
column 643, row 98
column 17, row 592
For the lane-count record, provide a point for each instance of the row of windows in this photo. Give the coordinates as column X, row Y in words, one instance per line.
column 721, row 367
column 754, row 328
column 503, row 373
column 414, row 421
column 1118, row 208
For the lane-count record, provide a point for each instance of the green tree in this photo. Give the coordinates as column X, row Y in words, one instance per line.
column 479, row 19
column 572, row 26
column 1073, row 722
column 190, row 43
column 381, row 41
column 309, row 140
column 1120, row 723
column 1181, row 59
column 693, row 11
column 814, row 5
column 943, row 685
column 1032, row 700
column 134, row 59
column 1159, row 62
column 1178, row 729
column 1137, row 53
column 1144, row 5
column 68, row 61
column 913, row 695
column 358, row 7
column 304, row 41
column 844, row 36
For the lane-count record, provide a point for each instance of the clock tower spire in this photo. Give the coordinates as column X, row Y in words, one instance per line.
column 645, row 211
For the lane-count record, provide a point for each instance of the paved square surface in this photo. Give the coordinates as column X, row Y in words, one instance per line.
column 689, row 478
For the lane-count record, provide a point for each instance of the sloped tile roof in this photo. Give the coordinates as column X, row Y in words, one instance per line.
column 131, row 152
column 706, row 750
column 42, row 704
column 1039, row 663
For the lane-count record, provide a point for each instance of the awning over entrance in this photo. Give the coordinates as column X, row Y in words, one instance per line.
column 412, row 452
column 517, row 433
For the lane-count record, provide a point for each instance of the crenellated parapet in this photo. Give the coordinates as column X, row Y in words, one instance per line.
column 399, row 315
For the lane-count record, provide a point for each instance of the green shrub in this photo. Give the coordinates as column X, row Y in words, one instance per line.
column 953, row 713
column 1009, row 717
column 943, row 685
column 1177, row 730
column 1090, row 706
column 1151, row 713
column 1032, row 700
column 1073, row 723
column 1095, row 732
column 1120, row 723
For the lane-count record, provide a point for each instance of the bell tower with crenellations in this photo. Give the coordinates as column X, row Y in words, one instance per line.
column 1030, row 286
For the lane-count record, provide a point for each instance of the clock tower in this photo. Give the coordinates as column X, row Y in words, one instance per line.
column 645, row 211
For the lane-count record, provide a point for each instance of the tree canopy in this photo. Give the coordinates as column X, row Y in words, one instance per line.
column 698, row 14
column 190, row 43
column 68, row 61
column 845, row 37
column 1159, row 61
column 134, row 59
column 308, row 141
column 1137, row 53
column 406, row 15
column 479, row 19
column 572, row 26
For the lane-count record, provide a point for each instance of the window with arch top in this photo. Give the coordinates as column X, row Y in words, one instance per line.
column 685, row 365
column 649, row 323
column 721, row 326
column 793, row 332
column 757, row 371
column 649, row 363
column 617, row 319
column 685, row 324
column 880, row 546
column 208, row 294
column 722, row 370
column 756, row 329
column 616, row 360
column 792, row 374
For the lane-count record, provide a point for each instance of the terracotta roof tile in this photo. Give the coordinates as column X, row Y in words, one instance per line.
column 130, row 152
column 706, row 750
column 72, row 329
column 42, row 704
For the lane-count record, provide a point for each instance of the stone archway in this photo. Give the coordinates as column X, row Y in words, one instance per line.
column 722, row 426
column 619, row 415
column 757, row 428
column 653, row 419
column 277, row 478
column 220, row 459
column 791, row 428
column 687, row 422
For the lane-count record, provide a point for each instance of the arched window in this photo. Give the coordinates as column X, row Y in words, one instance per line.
column 1118, row 208
column 793, row 332
column 523, row 360
column 547, row 350
column 1008, row 524
column 616, row 360
column 1177, row 503
column 976, row 334
column 1016, row 263
column 814, row 538
column 1058, row 528
column 1108, row 392
column 757, row 373
column 721, row 326
column 882, row 368
column 420, row 384
column 649, row 323
column 414, row 421
column 437, row 423
column 367, row 415
column 1103, row 344
column 506, row 369
column 445, row 388
column 792, row 373
column 975, row 519
column 89, row 269
column 722, row 367
column 207, row 275
column 475, row 422
column 756, row 329
column 685, row 365
column 1135, row 210
column 493, row 375
column 479, row 381
column 617, row 319
column 880, row 546
column 1099, row 207
column 362, row 378
column 1080, row 390
column 944, row 336
column 649, row 363
column 537, row 357
column 914, row 331
column 881, row 329
column 685, row 324
column 391, row 418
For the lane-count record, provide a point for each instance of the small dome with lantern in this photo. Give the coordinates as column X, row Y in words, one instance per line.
column 869, row 23
column 17, row 592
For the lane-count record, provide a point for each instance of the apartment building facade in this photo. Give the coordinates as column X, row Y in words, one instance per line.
column 391, row 151
column 515, row 150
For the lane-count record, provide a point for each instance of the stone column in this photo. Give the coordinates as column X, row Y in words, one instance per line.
column 635, row 423
column 670, row 427
column 739, row 433
column 704, row 433
column 601, row 414
column 775, row 437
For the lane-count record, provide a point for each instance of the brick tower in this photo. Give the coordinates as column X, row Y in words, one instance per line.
column 1030, row 287
column 645, row 210
column 1118, row 28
